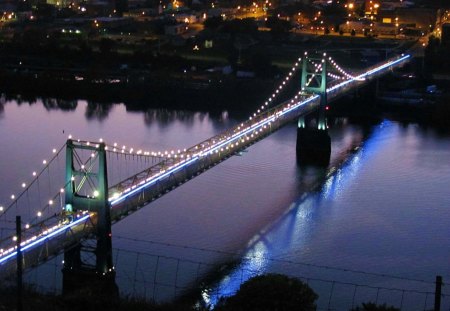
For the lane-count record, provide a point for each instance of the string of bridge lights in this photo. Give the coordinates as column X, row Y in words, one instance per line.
column 223, row 137
column 115, row 148
column 279, row 88
column 332, row 75
column 342, row 71
column 26, row 186
column 7, row 253
column 241, row 132
column 132, row 151
column 244, row 131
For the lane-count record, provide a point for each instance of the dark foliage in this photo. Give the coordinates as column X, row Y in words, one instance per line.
column 374, row 307
column 213, row 22
column 271, row 292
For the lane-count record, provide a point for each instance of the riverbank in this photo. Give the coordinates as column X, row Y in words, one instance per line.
column 212, row 95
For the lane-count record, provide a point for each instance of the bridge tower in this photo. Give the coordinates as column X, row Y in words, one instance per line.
column 89, row 264
column 314, row 143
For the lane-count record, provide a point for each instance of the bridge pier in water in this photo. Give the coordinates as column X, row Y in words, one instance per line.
column 87, row 189
column 313, row 146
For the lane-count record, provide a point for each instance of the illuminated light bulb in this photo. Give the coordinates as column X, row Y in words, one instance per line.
column 82, row 167
column 50, row 202
column 14, row 238
column 88, row 143
column 24, row 185
column 54, row 150
column 13, row 196
column 39, row 214
column 34, row 173
column 1, row 208
column 44, row 162
column 92, row 155
column 70, row 136
column 96, row 193
column 101, row 140
column 27, row 226
column 115, row 144
column 61, row 190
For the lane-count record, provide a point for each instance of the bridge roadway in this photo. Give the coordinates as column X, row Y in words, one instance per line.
column 137, row 191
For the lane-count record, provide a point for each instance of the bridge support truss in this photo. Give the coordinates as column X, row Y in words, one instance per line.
column 314, row 143
column 88, row 265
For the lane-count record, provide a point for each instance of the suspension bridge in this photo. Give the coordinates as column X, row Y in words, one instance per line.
column 77, row 216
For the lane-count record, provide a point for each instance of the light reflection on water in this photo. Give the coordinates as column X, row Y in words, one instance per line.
column 382, row 209
column 317, row 229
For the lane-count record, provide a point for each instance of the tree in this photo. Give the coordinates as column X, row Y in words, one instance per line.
column 370, row 306
column 277, row 25
column 213, row 22
column 106, row 46
column 271, row 292
column 241, row 26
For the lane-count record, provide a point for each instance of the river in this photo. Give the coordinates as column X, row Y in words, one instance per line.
column 380, row 208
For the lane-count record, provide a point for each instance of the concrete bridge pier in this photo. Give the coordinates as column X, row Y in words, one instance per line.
column 83, row 281
column 313, row 146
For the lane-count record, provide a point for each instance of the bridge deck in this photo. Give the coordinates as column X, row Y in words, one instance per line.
column 140, row 189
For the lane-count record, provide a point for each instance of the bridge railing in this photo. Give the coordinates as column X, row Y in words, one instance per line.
column 366, row 76
column 48, row 239
column 136, row 191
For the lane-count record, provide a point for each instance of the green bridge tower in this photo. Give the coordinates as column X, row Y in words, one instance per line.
column 88, row 264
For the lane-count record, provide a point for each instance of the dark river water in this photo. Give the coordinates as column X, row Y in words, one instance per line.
column 373, row 226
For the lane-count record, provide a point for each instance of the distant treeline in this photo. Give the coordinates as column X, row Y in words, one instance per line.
column 230, row 94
